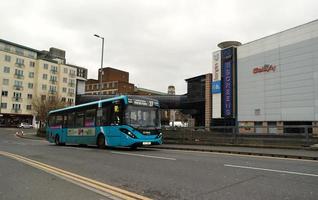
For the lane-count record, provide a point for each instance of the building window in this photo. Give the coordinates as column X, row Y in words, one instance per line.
column 17, row 83
column 65, row 70
column 17, row 95
column 70, row 101
column 18, row 73
column 29, row 96
column 5, row 93
column 43, row 87
column 5, row 81
column 45, row 76
column 71, row 90
column 64, row 89
column 31, row 74
column 7, row 58
column 16, row 106
column 72, row 73
column 19, row 51
column 64, row 80
column 71, row 83
column 19, row 61
column 6, row 69
column 63, row 99
column 4, row 105
column 30, row 85
column 51, row 98
column 43, row 97
column 53, row 79
column 29, row 107
column 53, row 69
column 52, row 89
column 32, row 63
column 45, row 66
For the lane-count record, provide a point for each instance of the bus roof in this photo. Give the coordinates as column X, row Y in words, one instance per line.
column 91, row 103
column 124, row 97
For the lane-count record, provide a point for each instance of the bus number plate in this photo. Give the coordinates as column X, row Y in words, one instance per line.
column 146, row 143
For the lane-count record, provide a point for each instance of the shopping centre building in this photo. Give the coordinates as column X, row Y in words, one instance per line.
column 269, row 82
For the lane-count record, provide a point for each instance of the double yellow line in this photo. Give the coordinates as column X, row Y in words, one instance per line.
column 99, row 187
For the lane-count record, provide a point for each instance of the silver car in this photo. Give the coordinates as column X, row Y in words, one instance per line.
column 25, row 125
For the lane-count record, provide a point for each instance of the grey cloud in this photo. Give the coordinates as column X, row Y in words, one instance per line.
column 158, row 42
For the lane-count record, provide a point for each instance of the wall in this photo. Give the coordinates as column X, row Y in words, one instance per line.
column 288, row 93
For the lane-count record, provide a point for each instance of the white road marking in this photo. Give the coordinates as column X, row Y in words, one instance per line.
column 233, row 154
column 272, row 170
column 142, row 155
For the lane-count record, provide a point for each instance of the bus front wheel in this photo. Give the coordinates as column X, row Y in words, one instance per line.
column 101, row 141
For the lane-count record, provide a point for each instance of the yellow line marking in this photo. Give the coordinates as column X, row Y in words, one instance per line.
column 236, row 154
column 114, row 191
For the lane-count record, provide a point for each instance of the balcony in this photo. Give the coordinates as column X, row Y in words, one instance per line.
column 16, row 110
column 72, row 75
column 19, row 76
column 18, row 87
column 53, row 81
column 16, row 98
column 71, row 94
column 52, row 91
column 20, row 65
column 71, row 84
column 54, row 71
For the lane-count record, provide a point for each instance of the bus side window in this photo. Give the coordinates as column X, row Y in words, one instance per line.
column 51, row 121
column 59, row 121
column 90, row 118
column 106, row 115
column 79, row 120
column 70, row 120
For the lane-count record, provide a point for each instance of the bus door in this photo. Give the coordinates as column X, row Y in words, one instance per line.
column 112, row 120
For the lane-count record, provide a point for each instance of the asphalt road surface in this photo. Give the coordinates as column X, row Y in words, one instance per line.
column 36, row 169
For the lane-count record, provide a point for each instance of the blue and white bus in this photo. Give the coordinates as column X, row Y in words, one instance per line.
column 122, row 121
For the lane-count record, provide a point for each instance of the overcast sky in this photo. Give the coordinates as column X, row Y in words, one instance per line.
column 159, row 42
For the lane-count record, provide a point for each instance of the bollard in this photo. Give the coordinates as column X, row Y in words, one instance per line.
column 307, row 136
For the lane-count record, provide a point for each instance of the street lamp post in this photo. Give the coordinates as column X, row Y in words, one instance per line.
column 101, row 67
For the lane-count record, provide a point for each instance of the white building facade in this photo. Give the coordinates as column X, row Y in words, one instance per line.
column 277, row 78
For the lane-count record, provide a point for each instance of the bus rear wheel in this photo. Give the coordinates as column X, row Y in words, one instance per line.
column 101, row 141
column 57, row 141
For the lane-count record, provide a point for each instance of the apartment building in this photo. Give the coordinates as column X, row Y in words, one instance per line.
column 27, row 73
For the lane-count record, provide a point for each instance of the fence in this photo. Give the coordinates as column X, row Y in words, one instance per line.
column 265, row 136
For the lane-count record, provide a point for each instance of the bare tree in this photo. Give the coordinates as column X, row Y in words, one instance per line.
column 45, row 103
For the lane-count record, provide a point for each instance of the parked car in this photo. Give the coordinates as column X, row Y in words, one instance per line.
column 25, row 125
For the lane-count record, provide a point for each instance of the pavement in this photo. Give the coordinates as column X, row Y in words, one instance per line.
column 310, row 153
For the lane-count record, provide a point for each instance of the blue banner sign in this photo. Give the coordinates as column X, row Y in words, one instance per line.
column 216, row 87
column 227, row 85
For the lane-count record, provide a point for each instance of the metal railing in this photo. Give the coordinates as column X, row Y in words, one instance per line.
column 20, row 65
column 300, row 134
column 14, row 98
column 18, row 87
column 19, row 76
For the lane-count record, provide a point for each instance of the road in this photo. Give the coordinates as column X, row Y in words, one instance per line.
column 44, row 172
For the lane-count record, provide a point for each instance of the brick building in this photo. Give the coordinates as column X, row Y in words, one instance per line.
column 114, row 82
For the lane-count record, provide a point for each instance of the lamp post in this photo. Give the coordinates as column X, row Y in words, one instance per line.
column 101, row 67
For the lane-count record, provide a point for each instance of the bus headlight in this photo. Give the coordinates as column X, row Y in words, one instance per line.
column 128, row 132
